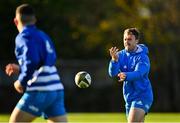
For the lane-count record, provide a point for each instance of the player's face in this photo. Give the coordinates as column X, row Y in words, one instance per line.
column 130, row 41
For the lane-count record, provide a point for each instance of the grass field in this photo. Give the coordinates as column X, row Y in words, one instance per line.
column 109, row 117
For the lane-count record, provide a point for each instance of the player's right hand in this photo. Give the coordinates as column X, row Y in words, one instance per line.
column 113, row 53
column 12, row 69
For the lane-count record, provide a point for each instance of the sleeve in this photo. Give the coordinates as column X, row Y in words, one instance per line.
column 27, row 59
column 113, row 68
column 142, row 68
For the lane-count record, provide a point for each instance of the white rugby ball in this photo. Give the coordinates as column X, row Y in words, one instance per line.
column 83, row 79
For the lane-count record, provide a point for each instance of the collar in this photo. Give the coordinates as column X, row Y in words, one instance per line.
column 137, row 50
column 28, row 26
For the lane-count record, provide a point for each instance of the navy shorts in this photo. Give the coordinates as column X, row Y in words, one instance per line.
column 43, row 103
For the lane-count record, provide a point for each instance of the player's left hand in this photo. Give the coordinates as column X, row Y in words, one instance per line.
column 18, row 87
column 122, row 76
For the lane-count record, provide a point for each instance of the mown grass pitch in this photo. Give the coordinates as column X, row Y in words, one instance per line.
column 109, row 117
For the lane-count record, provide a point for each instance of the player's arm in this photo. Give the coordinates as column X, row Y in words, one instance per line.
column 113, row 68
column 27, row 59
column 142, row 67
column 114, row 63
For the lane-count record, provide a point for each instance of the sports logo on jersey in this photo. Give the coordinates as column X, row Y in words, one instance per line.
column 139, row 103
column 125, row 67
column 33, row 108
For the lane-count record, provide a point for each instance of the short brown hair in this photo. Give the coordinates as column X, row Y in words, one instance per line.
column 26, row 13
column 133, row 31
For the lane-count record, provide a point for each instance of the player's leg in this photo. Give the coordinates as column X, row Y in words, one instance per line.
column 57, row 119
column 138, row 109
column 136, row 115
column 28, row 108
column 20, row 116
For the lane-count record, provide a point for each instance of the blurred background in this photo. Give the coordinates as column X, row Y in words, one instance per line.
column 83, row 31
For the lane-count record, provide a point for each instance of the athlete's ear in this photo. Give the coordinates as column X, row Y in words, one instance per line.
column 15, row 21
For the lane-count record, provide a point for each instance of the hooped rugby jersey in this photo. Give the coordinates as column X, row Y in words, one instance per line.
column 36, row 56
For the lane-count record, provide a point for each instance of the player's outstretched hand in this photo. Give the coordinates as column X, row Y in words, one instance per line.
column 12, row 69
column 113, row 53
column 122, row 76
column 18, row 87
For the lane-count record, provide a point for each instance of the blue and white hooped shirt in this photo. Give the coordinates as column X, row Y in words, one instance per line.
column 36, row 56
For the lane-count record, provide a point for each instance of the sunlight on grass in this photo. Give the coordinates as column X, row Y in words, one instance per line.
column 109, row 117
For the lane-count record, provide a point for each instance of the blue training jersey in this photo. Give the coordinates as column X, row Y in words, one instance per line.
column 136, row 66
column 36, row 56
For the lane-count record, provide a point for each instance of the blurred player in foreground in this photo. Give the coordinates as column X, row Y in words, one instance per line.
column 38, row 78
column 131, row 65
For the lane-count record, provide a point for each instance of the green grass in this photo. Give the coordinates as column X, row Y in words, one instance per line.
column 109, row 117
